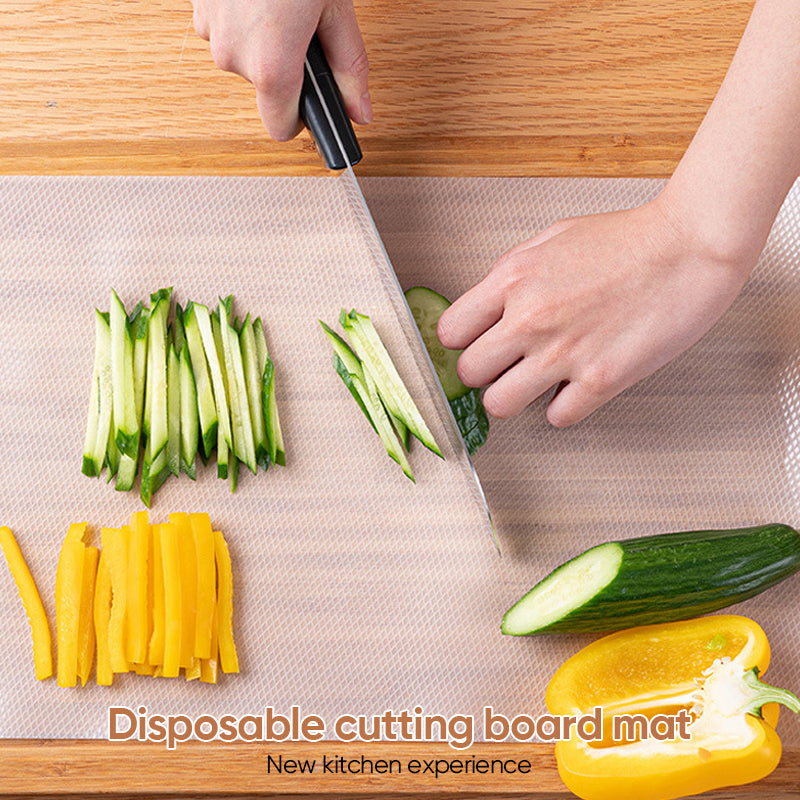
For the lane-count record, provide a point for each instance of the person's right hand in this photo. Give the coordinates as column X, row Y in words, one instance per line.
column 265, row 41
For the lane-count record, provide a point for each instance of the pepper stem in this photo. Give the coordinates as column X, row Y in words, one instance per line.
column 763, row 693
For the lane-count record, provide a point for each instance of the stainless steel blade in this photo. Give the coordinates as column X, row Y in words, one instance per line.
column 409, row 324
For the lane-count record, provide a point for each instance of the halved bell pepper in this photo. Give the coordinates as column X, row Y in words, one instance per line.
column 705, row 671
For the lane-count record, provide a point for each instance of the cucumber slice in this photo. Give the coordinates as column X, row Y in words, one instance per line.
column 206, row 406
column 426, row 308
column 471, row 418
column 372, row 352
column 190, row 426
column 204, row 324
column 465, row 402
column 382, row 424
column 243, row 442
column 156, row 399
column 126, row 426
column 90, row 462
column 173, row 446
column 654, row 579
column 269, row 403
column 252, row 379
column 105, row 392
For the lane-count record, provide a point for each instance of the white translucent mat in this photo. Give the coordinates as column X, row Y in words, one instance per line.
column 358, row 591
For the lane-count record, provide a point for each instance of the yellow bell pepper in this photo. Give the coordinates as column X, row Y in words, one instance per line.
column 69, row 585
column 102, row 617
column 170, row 566
column 116, row 543
column 705, row 670
column 228, row 659
column 206, row 584
column 31, row 602
column 86, row 632
column 136, row 606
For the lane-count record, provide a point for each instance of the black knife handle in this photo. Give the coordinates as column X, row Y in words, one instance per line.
column 313, row 114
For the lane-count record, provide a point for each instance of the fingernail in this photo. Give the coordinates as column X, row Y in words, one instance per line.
column 366, row 108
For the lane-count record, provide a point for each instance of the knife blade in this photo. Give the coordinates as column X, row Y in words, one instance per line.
column 323, row 113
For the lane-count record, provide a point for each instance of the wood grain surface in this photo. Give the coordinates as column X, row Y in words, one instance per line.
column 460, row 87
column 122, row 770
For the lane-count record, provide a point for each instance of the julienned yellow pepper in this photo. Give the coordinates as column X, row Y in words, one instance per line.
column 31, row 602
column 706, row 666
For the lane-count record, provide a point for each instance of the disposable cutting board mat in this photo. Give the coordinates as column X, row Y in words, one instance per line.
column 356, row 590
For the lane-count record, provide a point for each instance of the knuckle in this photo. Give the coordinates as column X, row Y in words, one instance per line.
column 467, row 372
column 497, row 405
column 223, row 52
column 360, row 66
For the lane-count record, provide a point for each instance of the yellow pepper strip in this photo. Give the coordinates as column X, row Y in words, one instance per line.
column 136, row 610
column 102, row 615
column 144, row 669
column 227, row 648
column 209, row 667
column 170, row 561
column 31, row 602
column 86, row 634
column 706, row 668
column 193, row 673
column 155, row 652
column 115, row 551
column 188, row 570
column 69, row 582
column 206, row 583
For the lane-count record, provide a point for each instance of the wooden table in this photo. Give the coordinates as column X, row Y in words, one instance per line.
column 460, row 87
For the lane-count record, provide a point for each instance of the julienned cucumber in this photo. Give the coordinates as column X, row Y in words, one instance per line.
column 165, row 390
column 655, row 579
column 426, row 307
column 367, row 370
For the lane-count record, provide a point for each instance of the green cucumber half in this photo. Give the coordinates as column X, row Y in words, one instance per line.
column 653, row 579
column 465, row 402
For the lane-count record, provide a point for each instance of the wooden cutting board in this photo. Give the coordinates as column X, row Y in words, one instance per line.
column 460, row 87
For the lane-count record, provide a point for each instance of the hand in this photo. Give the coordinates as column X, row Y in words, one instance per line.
column 590, row 305
column 265, row 41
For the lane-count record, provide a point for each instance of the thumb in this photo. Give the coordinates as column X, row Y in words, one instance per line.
column 344, row 48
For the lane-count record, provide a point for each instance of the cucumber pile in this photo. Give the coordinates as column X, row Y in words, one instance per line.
column 365, row 367
column 169, row 387
column 465, row 402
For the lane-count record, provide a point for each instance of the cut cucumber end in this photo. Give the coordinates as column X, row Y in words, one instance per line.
column 570, row 587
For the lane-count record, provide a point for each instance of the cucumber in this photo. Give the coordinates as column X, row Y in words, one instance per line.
column 654, row 579
column 190, row 425
column 126, row 424
column 393, row 392
column 426, row 308
column 100, row 396
column 173, row 446
column 465, row 402
column 206, row 406
column 269, row 402
column 252, row 378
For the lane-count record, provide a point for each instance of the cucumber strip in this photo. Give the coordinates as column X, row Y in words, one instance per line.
column 206, row 406
column 105, row 389
column 372, row 352
column 654, row 579
column 426, row 308
column 203, row 319
column 173, row 446
column 471, row 419
column 138, row 324
column 157, row 427
column 126, row 427
column 126, row 473
column 112, row 451
column 347, row 378
column 269, row 403
column 234, row 473
column 244, row 446
column 89, row 466
column 153, row 476
column 252, row 378
column 383, row 425
column 190, row 427
column 223, row 455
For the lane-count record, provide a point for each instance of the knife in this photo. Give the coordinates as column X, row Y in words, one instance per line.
column 323, row 113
